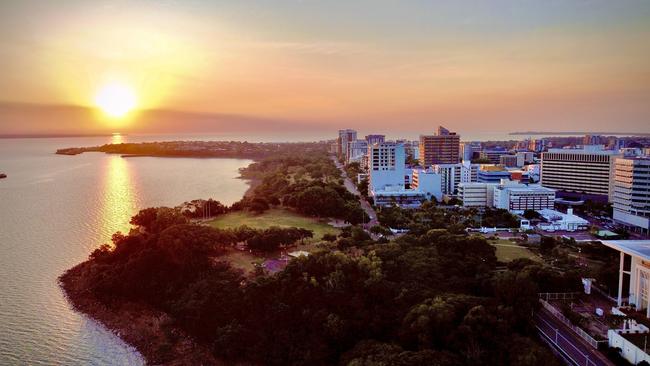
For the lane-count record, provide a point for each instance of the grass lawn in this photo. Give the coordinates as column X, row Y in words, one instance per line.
column 508, row 251
column 274, row 217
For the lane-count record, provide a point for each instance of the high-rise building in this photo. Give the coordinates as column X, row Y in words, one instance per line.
column 386, row 165
column 632, row 193
column 345, row 137
column 442, row 148
column 586, row 173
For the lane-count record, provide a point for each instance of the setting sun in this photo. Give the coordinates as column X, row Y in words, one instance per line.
column 116, row 100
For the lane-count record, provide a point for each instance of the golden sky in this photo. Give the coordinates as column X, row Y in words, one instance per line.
column 373, row 64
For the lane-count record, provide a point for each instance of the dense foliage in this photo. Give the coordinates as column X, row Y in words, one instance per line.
column 311, row 185
column 429, row 298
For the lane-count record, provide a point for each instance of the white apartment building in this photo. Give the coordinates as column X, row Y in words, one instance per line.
column 587, row 171
column 632, row 193
column 386, row 165
column 388, row 177
column 517, row 197
column 454, row 174
column 476, row 194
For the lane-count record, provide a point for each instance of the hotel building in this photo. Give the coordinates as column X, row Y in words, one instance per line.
column 585, row 173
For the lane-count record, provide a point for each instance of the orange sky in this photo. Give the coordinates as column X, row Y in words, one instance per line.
column 384, row 65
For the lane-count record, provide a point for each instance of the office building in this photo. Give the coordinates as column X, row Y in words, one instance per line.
column 585, row 173
column 476, row 194
column 442, row 148
column 517, row 197
column 631, row 199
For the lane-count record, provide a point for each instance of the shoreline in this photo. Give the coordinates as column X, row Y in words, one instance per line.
column 151, row 332
column 148, row 331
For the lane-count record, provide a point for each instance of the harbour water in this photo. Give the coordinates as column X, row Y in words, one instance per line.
column 54, row 210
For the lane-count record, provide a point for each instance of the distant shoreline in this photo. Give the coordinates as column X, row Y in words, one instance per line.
column 46, row 136
column 571, row 133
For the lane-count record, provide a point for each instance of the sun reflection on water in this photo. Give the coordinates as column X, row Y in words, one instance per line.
column 118, row 197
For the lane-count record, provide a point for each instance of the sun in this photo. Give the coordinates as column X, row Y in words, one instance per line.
column 116, row 100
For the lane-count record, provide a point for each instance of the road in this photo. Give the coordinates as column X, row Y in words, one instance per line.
column 568, row 341
column 352, row 188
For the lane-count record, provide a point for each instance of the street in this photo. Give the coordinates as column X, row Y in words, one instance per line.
column 352, row 188
column 568, row 341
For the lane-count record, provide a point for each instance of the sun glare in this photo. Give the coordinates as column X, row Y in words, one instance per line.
column 116, row 100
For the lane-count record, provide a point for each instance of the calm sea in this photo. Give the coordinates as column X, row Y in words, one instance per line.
column 54, row 210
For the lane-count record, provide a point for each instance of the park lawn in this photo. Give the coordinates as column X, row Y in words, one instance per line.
column 508, row 251
column 274, row 217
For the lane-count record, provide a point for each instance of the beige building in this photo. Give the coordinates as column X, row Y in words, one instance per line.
column 441, row 148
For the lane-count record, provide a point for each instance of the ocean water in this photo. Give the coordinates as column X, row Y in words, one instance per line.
column 54, row 210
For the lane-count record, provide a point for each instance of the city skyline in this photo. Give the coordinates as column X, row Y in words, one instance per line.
column 309, row 66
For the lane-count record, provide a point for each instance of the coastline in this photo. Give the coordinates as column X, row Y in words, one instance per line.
column 151, row 332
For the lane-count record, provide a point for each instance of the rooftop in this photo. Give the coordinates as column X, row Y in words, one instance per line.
column 637, row 248
column 552, row 215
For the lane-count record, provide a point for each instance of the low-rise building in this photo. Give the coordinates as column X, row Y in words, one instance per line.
column 492, row 174
column 397, row 195
column 558, row 221
column 518, row 197
column 476, row 194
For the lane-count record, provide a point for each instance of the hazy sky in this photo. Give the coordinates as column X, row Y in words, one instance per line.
column 395, row 65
